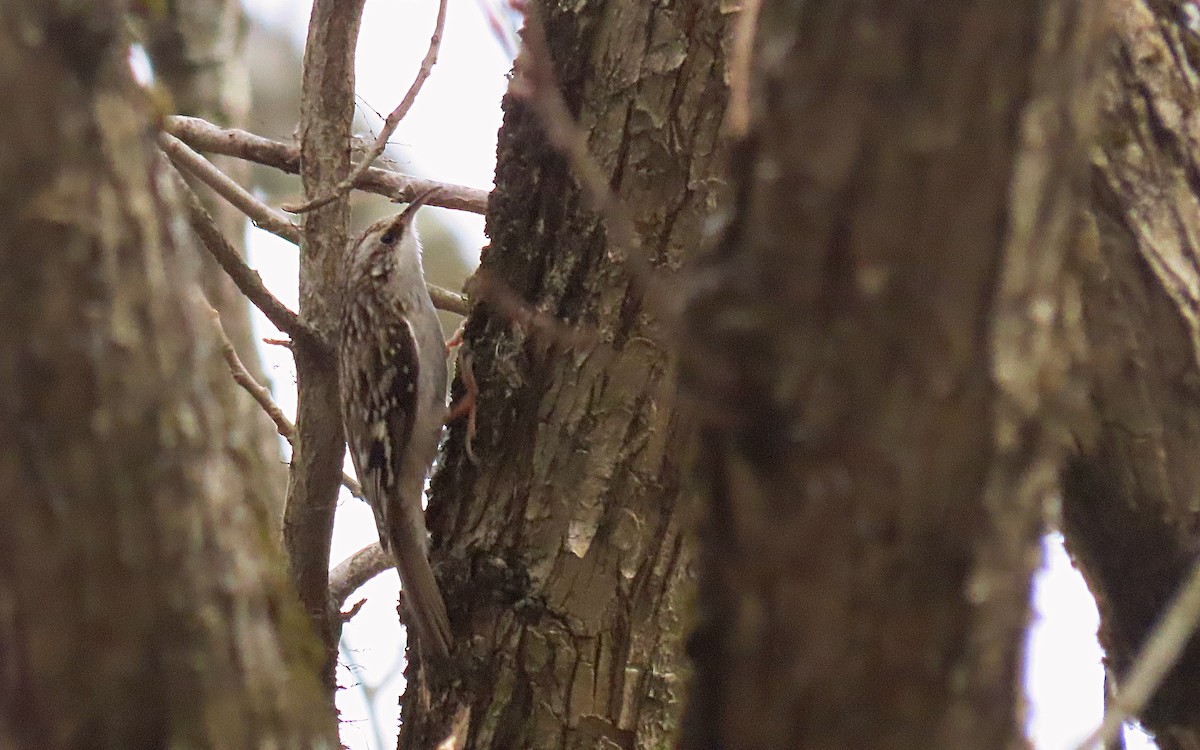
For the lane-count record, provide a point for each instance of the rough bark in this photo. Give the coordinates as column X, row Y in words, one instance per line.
column 1131, row 498
column 326, row 109
column 563, row 554
column 135, row 607
column 198, row 50
column 881, row 339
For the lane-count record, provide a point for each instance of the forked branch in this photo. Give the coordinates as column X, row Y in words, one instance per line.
column 389, row 124
column 262, row 395
column 262, row 215
column 352, row 573
column 245, row 277
column 202, row 135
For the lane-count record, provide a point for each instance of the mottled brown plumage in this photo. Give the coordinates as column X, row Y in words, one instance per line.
column 392, row 362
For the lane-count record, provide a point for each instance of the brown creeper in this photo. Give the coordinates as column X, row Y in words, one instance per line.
column 392, row 361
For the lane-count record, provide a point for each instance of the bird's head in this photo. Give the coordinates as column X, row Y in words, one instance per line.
column 389, row 246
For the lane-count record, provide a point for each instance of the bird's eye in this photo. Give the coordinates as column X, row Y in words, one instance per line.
column 388, row 237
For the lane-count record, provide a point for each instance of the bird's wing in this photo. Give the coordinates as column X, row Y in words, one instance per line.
column 391, row 398
column 389, row 380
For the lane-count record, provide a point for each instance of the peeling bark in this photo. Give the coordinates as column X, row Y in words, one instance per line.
column 883, row 342
column 136, row 609
column 563, row 555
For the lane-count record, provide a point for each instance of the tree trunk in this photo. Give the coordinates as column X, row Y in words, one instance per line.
column 198, row 52
column 883, row 337
column 1130, row 498
column 135, row 606
column 563, row 554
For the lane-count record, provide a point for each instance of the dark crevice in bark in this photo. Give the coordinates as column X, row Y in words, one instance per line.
column 1129, row 508
column 574, row 518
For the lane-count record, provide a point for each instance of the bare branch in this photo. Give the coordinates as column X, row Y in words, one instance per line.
column 444, row 299
column 349, row 614
column 202, row 135
column 389, row 124
column 262, row 395
column 242, row 377
column 326, row 111
column 353, row 572
column 353, row 487
column 245, row 277
column 1155, row 660
column 262, row 215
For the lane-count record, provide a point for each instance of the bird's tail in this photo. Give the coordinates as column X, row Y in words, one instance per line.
column 424, row 607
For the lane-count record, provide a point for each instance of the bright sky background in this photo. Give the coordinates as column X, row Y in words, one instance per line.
column 452, row 131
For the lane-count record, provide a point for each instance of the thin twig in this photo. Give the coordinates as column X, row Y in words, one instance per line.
column 262, row 215
column 444, row 299
column 389, row 124
column 1156, row 658
column 352, row 573
column 347, row 655
column 202, row 135
column 262, row 395
column 355, row 608
column 245, row 277
column 1110, row 693
column 353, row 487
column 242, row 377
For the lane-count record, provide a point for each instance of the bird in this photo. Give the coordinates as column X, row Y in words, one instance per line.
column 392, row 369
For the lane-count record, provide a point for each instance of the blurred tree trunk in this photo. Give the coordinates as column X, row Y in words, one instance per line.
column 136, row 609
column 884, row 335
column 563, row 553
column 1131, row 498
column 198, row 50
